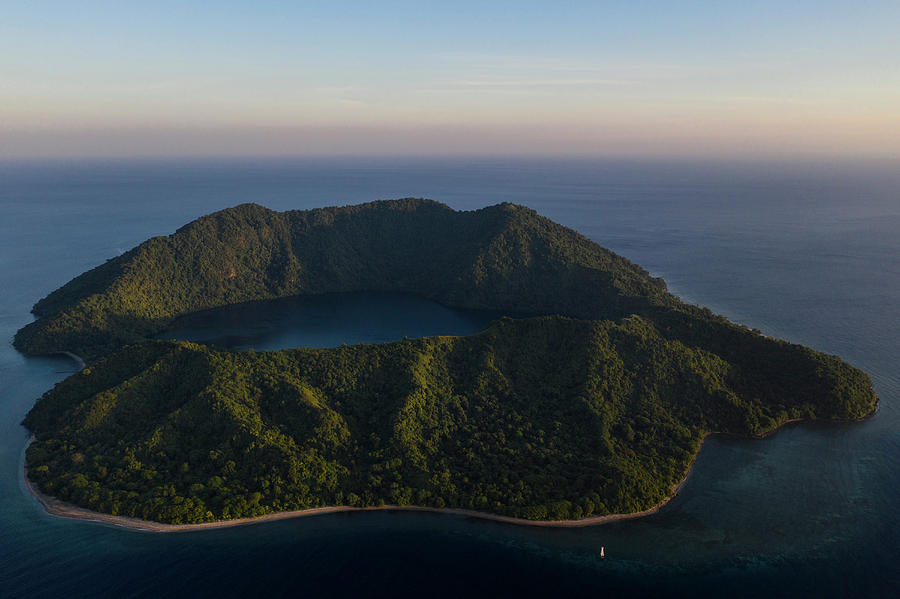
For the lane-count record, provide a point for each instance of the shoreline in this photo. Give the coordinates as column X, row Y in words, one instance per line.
column 61, row 509
column 78, row 359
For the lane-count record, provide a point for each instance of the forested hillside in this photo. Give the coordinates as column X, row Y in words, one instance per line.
column 596, row 407
column 542, row 418
column 504, row 257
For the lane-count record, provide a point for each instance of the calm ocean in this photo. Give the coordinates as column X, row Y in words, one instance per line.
column 810, row 253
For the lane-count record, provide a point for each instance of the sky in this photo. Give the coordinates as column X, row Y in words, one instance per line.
column 686, row 78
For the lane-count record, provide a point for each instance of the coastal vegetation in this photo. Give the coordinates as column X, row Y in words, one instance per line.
column 539, row 418
column 595, row 404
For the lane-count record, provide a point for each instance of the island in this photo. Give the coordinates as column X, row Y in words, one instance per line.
column 590, row 399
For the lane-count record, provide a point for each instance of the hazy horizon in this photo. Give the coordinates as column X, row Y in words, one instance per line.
column 275, row 79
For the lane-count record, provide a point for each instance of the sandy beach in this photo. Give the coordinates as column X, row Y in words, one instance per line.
column 62, row 509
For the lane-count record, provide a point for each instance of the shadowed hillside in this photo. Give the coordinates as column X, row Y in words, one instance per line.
column 504, row 257
column 596, row 408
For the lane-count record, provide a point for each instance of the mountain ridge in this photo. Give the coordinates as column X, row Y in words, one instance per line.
column 479, row 259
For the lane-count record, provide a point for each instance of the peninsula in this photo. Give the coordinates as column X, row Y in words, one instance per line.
column 595, row 404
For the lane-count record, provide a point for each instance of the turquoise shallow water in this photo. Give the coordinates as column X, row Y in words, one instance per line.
column 811, row 254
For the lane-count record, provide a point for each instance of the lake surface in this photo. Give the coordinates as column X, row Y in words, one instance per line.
column 810, row 253
column 326, row 321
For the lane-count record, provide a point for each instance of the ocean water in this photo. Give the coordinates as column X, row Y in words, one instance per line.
column 809, row 252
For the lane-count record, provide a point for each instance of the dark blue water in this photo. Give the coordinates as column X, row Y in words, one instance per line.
column 810, row 253
column 326, row 321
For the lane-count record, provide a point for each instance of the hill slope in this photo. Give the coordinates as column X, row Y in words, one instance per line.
column 536, row 418
column 504, row 257
column 598, row 408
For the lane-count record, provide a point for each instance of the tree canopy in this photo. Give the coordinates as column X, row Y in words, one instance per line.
column 596, row 407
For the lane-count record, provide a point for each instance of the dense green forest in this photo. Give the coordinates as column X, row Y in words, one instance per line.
column 596, row 407
column 504, row 257
column 540, row 418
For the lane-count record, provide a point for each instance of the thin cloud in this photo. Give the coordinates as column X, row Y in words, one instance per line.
column 542, row 82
